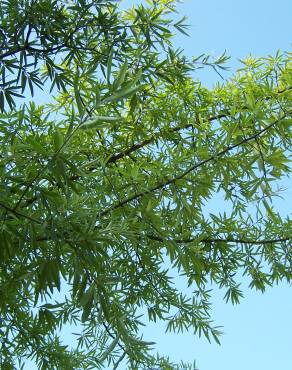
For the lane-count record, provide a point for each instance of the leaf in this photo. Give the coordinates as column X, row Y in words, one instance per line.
column 55, row 273
column 78, row 99
column 270, row 211
column 1, row 101
column 97, row 97
column 109, row 65
column 53, row 197
column 37, row 146
column 121, row 77
column 76, row 281
column 110, row 348
column 58, row 140
column 122, row 94
column 87, row 296
column 100, row 122
column 140, row 342
column 86, row 311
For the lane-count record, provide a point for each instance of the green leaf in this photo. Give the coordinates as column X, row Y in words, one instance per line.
column 109, row 350
column 58, row 140
column 123, row 93
column 121, row 76
column 77, row 94
column 109, row 65
column 100, row 122
column 87, row 296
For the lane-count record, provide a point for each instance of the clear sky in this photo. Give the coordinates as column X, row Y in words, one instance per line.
column 258, row 332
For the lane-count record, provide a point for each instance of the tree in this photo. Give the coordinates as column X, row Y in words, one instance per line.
column 103, row 187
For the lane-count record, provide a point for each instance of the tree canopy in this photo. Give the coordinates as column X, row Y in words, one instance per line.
column 104, row 186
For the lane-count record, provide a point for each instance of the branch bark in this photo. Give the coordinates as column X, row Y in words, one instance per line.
column 20, row 214
column 218, row 240
column 190, row 169
column 115, row 157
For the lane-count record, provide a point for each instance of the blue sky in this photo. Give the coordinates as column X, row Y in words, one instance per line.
column 258, row 332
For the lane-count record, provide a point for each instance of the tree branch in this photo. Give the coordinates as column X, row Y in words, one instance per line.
column 20, row 214
column 190, row 169
column 127, row 152
column 115, row 157
column 218, row 240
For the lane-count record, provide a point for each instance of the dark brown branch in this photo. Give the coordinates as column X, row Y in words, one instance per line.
column 160, row 239
column 152, row 138
column 115, row 157
column 20, row 214
column 190, row 169
column 218, row 240
column 12, row 52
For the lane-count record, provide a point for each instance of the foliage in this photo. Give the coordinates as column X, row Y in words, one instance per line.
column 103, row 190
